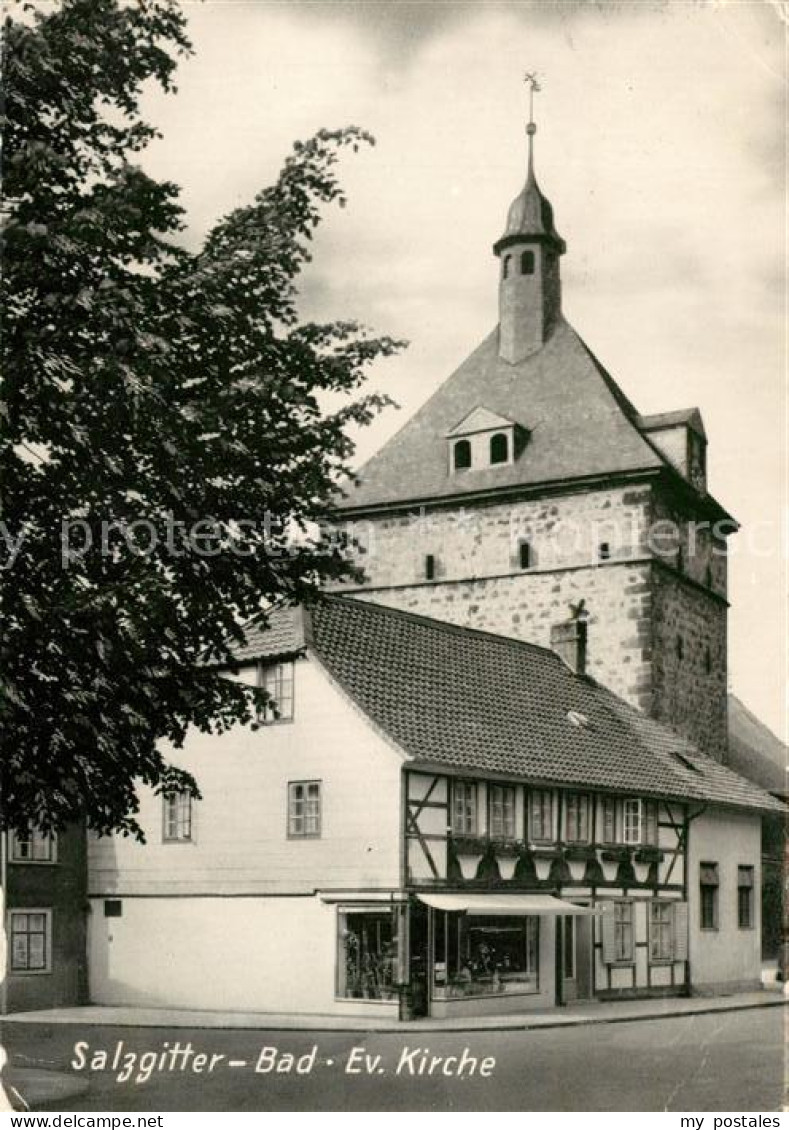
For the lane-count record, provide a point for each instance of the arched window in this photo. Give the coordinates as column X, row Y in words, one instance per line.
column 527, row 263
column 499, row 448
column 525, row 555
column 462, row 455
column 505, row 266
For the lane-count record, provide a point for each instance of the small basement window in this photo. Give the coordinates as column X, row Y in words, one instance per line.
column 499, row 448
column 461, row 453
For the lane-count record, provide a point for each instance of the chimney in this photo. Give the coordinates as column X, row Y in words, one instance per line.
column 568, row 640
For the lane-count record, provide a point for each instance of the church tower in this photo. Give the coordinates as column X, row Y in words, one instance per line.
column 529, row 498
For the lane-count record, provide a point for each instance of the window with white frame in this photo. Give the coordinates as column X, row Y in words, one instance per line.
column 33, row 846
column 576, row 818
column 624, row 941
column 464, row 808
column 276, row 679
column 177, row 822
column 501, row 802
column 31, row 941
column 609, row 819
column 632, row 820
column 541, row 815
column 661, row 931
column 304, row 809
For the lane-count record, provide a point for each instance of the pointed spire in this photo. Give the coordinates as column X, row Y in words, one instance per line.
column 530, row 214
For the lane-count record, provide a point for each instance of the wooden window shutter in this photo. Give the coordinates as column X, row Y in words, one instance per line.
column 607, row 935
column 680, row 931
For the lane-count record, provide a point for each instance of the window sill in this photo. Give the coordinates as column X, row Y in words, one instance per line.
column 33, row 862
column 30, row 972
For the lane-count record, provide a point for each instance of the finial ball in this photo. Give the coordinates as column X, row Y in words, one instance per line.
column 531, row 129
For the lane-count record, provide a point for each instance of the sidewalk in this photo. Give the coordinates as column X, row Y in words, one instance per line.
column 593, row 1012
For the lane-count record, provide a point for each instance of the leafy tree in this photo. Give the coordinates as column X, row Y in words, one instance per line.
column 165, row 423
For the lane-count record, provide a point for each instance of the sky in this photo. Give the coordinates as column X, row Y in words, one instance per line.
column 660, row 144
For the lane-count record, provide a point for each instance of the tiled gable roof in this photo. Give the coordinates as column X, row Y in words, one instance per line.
column 580, row 425
column 281, row 635
column 474, row 702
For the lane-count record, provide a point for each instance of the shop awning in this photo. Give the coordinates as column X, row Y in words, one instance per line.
column 499, row 905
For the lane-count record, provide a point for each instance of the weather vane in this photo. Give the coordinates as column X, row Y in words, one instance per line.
column 534, row 88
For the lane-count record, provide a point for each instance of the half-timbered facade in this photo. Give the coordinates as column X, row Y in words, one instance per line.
column 434, row 821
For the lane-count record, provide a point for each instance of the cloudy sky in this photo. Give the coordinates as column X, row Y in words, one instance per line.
column 660, row 145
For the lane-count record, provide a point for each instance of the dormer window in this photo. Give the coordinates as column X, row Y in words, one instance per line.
column 462, row 455
column 484, row 438
column 499, row 448
column 527, row 263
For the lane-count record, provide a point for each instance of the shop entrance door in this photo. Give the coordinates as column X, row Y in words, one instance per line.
column 577, row 953
column 417, row 959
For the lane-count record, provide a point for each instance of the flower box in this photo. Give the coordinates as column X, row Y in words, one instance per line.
column 469, row 851
column 543, row 859
column 610, row 859
column 507, row 853
column 577, row 857
column 643, row 860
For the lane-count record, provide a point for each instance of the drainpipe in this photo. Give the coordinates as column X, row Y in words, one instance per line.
column 3, row 920
column 688, row 820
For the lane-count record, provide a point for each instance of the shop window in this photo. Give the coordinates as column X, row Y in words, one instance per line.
column 31, row 941
column 708, row 895
column 527, row 263
column 501, row 804
column 477, row 956
column 304, row 809
column 576, row 818
column 177, row 824
column 367, row 955
column 32, row 846
column 609, row 820
column 499, row 448
column 541, row 815
column 464, row 808
column 461, row 455
column 745, row 884
column 661, row 931
column 616, row 928
column 276, row 679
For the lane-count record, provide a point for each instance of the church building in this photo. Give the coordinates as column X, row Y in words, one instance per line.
column 529, row 485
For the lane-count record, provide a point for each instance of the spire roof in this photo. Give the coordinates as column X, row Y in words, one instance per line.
column 530, row 215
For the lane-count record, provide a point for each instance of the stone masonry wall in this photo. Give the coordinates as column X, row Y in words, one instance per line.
column 641, row 597
column 690, row 670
